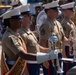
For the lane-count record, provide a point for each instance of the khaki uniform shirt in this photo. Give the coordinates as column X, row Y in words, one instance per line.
column 50, row 26
column 74, row 18
column 11, row 44
column 30, row 40
column 68, row 26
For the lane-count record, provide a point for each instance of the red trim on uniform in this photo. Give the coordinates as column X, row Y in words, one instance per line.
column 66, row 67
column 3, row 73
column 67, row 50
column 10, row 74
column 67, row 54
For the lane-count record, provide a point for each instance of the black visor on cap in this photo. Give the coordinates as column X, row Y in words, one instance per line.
column 17, row 17
column 38, row 6
column 27, row 13
column 71, row 9
column 55, row 8
column 6, row 18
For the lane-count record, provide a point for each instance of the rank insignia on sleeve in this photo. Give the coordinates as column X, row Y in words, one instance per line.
column 42, row 32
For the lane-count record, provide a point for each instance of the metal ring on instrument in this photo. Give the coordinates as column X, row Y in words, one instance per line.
column 72, row 71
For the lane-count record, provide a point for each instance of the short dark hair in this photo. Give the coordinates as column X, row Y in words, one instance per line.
column 6, row 22
column 26, row 13
column 46, row 10
column 54, row 8
column 16, row 17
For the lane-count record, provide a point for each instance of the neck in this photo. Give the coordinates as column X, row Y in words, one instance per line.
column 15, row 30
column 67, row 17
column 51, row 18
column 25, row 26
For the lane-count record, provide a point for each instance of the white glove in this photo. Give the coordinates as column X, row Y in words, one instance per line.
column 53, row 54
column 41, row 57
